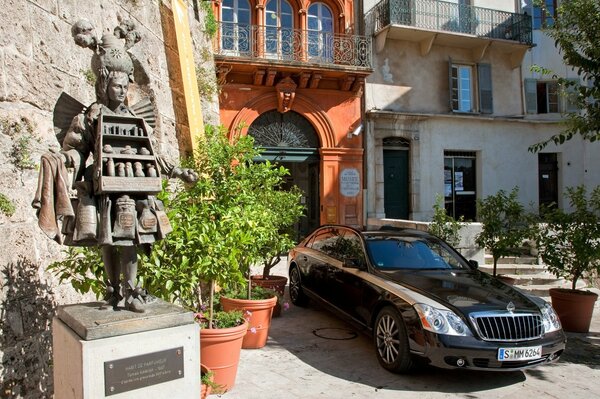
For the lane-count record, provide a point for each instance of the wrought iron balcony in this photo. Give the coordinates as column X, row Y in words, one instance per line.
column 292, row 46
column 452, row 17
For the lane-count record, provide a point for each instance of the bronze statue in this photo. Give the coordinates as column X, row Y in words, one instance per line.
column 115, row 206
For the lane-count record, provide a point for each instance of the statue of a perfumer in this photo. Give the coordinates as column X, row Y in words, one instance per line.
column 116, row 170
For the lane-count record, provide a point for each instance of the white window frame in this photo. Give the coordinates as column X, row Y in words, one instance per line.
column 237, row 10
column 462, row 88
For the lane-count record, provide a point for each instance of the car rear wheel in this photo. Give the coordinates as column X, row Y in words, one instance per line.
column 297, row 296
column 391, row 342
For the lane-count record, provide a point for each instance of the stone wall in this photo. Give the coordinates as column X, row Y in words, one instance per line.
column 38, row 61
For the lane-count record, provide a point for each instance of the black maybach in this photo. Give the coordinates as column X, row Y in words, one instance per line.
column 422, row 301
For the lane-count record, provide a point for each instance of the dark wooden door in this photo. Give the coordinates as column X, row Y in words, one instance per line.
column 548, row 179
column 395, row 184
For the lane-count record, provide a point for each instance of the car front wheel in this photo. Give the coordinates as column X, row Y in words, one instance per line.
column 391, row 342
column 297, row 296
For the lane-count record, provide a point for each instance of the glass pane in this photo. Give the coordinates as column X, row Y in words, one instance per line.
column 227, row 15
column 272, row 6
column 244, row 17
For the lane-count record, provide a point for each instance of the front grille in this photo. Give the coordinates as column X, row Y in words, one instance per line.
column 508, row 326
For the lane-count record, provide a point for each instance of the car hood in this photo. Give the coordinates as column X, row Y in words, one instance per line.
column 468, row 291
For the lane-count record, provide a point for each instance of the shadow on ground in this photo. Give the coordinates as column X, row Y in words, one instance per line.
column 317, row 338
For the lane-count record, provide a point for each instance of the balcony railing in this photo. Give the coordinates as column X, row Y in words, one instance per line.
column 292, row 46
column 452, row 17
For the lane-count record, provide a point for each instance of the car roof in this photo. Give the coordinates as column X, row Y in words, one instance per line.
column 386, row 230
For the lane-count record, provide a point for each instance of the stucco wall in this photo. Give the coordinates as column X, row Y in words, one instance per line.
column 38, row 61
column 404, row 80
column 501, row 147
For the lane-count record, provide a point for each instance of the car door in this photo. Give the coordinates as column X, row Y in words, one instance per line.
column 345, row 280
column 317, row 260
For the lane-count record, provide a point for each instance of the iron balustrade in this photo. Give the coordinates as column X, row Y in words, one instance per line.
column 292, row 45
column 452, row 17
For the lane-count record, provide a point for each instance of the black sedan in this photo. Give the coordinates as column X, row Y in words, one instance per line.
column 422, row 301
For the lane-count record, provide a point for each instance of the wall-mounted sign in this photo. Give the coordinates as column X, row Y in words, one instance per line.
column 350, row 182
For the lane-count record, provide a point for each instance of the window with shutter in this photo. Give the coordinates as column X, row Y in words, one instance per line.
column 461, row 82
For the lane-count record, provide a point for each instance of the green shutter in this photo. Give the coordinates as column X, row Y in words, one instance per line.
column 484, row 76
column 531, row 96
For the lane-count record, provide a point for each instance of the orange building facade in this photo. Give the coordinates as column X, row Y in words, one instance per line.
column 291, row 74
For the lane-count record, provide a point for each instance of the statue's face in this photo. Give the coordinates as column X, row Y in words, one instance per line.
column 117, row 88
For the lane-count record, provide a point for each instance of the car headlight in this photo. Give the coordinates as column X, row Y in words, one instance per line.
column 441, row 321
column 550, row 318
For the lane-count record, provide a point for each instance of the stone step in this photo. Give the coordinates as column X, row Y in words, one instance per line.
column 514, row 269
column 518, row 260
column 543, row 289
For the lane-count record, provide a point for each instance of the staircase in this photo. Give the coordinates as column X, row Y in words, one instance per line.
column 530, row 276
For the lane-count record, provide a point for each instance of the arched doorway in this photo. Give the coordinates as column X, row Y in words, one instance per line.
column 290, row 140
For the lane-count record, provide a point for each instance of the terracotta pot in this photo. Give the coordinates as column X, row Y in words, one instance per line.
column 205, row 389
column 220, row 351
column 276, row 283
column 259, row 321
column 574, row 308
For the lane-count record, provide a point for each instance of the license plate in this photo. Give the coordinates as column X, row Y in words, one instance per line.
column 525, row 353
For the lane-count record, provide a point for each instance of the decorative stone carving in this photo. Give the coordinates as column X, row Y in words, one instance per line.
column 286, row 91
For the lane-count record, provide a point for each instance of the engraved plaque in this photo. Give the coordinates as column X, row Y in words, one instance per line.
column 136, row 372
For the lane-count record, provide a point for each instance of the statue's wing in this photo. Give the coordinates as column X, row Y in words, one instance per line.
column 65, row 109
column 145, row 109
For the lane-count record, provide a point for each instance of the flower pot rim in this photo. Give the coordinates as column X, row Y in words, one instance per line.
column 245, row 323
column 572, row 291
column 252, row 301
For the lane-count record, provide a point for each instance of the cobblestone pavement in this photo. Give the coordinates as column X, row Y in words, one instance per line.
column 312, row 354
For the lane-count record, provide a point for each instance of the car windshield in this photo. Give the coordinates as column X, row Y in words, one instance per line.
column 405, row 252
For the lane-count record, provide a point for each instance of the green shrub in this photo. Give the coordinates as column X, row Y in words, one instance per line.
column 443, row 225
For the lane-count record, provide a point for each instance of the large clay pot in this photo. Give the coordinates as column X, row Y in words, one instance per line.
column 259, row 321
column 276, row 283
column 574, row 308
column 220, row 351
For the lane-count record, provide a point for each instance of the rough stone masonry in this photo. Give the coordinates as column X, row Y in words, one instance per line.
column 38, row 61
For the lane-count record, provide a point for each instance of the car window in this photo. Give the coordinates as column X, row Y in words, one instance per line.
column 322, row 239
column 410, row 253
column 350, row 248
column 340, row 244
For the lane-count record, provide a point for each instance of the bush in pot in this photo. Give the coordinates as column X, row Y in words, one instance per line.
column 569, row 245
column 505, row 224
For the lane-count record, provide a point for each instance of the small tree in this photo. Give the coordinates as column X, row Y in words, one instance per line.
column 223, row 224
column 569, row 242
column 443, row 225
column 505, row 224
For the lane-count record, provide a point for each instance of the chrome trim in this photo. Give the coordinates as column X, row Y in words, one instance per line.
column 502, row 326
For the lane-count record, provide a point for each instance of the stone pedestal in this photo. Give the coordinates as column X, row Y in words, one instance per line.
column 121, row 354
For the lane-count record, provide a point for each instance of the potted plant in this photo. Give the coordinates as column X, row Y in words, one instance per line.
column 257, row 309
column 505, row 225
column 569, row 245
column 285, row 210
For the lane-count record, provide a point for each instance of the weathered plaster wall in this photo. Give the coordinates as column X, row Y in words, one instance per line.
column 38, row 61
column 403, row 80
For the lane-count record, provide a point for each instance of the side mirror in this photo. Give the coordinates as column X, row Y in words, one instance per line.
column 474, row 264
column 354, row 263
